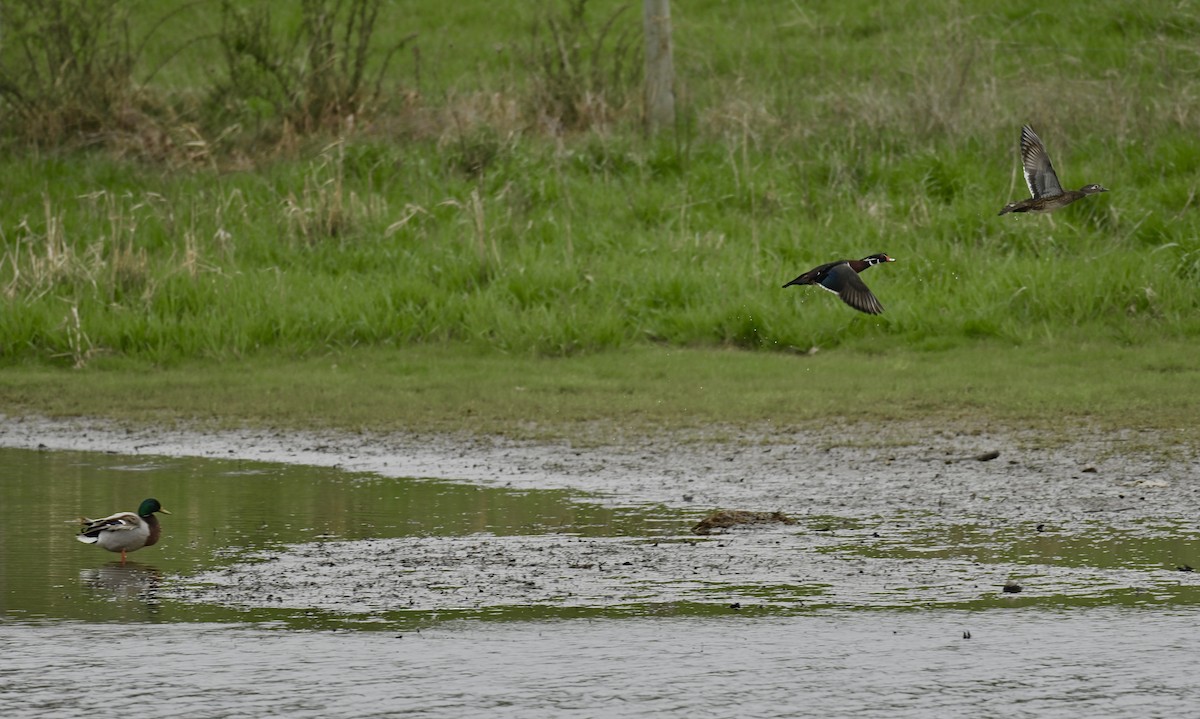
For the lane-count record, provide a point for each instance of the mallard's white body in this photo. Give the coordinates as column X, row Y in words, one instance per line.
column 120, row 532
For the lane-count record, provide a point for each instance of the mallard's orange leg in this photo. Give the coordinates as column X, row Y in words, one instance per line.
column 122, row 556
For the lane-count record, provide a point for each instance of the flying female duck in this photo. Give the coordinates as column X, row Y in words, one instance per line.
column 124, row 531
column 841, row 278
column 1047, row 194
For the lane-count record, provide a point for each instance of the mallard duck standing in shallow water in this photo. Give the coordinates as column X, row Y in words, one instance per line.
column 1046, row 194
column 124, row 531
column 841, row 278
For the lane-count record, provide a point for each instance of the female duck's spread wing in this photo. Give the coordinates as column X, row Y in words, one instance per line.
column 1039, row 173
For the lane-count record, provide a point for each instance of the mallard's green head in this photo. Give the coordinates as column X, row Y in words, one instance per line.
column 150, row 506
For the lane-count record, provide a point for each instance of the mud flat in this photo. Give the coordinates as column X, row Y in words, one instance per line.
column 902, row 517
column 847, row 470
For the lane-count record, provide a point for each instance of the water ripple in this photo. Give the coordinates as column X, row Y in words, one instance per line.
column 1114, row 662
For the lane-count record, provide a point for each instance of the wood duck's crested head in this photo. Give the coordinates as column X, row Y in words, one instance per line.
column 1092, row 189
column 870, row 261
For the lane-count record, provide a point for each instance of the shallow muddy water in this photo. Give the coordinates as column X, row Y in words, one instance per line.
column 350, row 590
column 223, row 510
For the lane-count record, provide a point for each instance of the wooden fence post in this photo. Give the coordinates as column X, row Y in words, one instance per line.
column 660, row 69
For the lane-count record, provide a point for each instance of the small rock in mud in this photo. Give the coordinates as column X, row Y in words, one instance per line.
column 1012, row 587
column 724, row 519
column 1089, row 470
column 987, row 456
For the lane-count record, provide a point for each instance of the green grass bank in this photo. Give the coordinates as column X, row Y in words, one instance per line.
column 1061, row 392
column 480, row 210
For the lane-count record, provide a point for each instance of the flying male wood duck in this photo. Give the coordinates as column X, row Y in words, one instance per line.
column 841, row 278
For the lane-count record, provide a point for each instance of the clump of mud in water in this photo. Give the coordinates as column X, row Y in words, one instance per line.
column 725, row 519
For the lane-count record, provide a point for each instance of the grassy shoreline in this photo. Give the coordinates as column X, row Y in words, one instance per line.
column 557, row 254
column 1060, row 390
column 510, row 232
column 472, row 253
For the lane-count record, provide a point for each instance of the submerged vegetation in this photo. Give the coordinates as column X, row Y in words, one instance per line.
column 226, row 180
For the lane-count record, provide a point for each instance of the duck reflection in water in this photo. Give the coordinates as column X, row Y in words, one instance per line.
column 123, row 581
